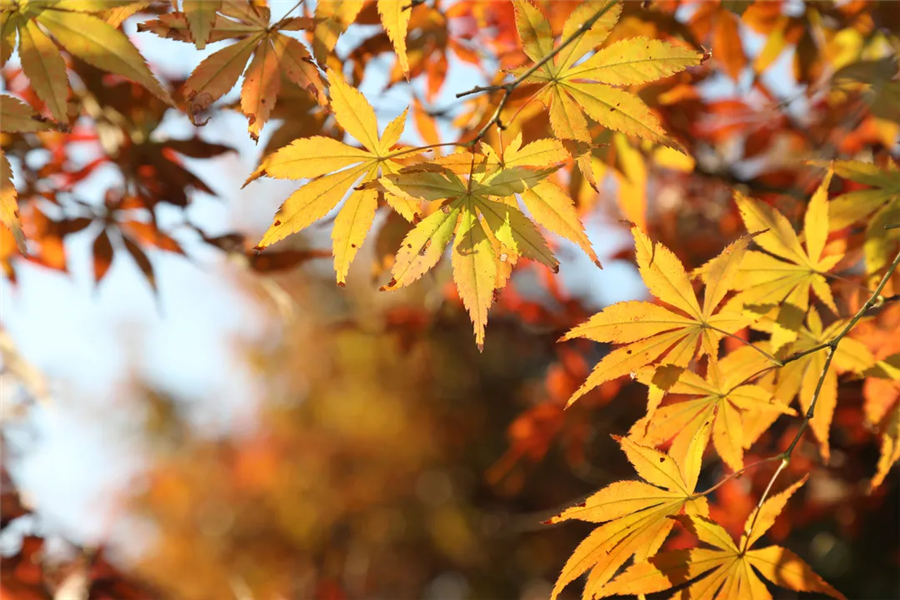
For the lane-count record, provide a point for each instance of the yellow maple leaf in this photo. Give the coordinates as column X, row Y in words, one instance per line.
column 475, row 197
column 15, row 117
column 570, row 88
column 782, row 277
column 333, row 17
column 335, row 168
column 723, row 399
column 635, row 515
column 395, row 20
column 727, row 566
column 880, row 205
column 800, row 378
column 881, row 407
column 648, row 331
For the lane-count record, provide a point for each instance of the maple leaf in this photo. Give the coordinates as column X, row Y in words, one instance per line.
column 15, row 117
column 335, row 168
column 882, row 410
column 491, row 231
column 783, row 277
column 724, row 399
column 81, row 33
column 730, row 576
column 879, row 205
column 800, row 378
column 594, row 86
column 395, row 20
column 648, row 331
column 635, row 514
column 201, row 17
column 273, row 53
column 335, row 16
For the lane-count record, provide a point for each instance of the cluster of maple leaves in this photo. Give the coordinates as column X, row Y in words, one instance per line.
column 573, row 103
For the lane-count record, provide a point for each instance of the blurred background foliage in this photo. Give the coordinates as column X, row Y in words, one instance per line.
column 376, row 453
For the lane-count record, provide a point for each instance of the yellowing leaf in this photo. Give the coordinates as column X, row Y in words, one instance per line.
column 786, row 278
column 274, row 54
column 474, row 270
column 727, row 567
column 553, row 209
column 539, row 153
column 261, row 84
column 101, row 45
column 569, row 87
column 800, row 378
column 9, row 206
column 17, row 117
column 201, row 16
column 502, row 231
column 631, row 175
column 321, row 159
column 534, row 30
column 635, row 61
column 855, row 206
column 815, row 224
column 333, row 17
column 609, row 11
column 310, row 203
column 350, row 229
column 83, row 35
column 395, row 20
column 636, row 516
column 617, row 109
column 424, row 245
column 723, row 400
column 655, row 331
column 767, row 514
column 517, row 232
column 890, row 446
column 307, row 158
column 45, row 69
column 879, row 205
column 217, row 74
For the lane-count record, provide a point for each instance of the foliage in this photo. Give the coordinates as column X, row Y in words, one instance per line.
column 767, row 235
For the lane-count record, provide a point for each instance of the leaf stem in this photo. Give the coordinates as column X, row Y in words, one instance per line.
column 774, row 360
column 421, row 148
column 738, row 474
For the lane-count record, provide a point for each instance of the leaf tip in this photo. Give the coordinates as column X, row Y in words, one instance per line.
column 598, row 263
